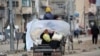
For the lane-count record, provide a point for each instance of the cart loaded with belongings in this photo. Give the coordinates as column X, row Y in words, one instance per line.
column 61, row 29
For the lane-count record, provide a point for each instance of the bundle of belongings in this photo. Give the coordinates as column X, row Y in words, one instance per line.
column 46, row 37
column 51, row 38
column 57, row 36
column 56, row 40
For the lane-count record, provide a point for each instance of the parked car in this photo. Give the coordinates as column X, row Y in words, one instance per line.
column 2, row 36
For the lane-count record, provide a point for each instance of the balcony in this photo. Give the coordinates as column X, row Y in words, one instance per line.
column 26, row 10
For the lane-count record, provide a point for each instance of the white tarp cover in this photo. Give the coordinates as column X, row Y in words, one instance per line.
column 36, row 27
column 39, row 26
column 29, row 41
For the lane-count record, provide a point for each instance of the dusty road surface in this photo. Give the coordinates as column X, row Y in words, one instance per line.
column 85, row 48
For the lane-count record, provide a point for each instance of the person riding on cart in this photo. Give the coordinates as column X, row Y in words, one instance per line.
column 48, row 15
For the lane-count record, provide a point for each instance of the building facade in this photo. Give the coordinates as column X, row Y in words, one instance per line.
column 2, row 14
column 82, row 6
column 22, row 10
column 58, row 6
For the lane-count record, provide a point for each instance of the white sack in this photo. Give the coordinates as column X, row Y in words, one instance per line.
column 57, row 36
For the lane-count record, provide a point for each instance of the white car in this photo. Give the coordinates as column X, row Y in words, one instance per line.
column 2, row 36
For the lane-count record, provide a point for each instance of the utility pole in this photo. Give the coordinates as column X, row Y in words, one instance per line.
column 37, row 8
column 11, row 26
column 70, row 12
column 47, row 2
column 84, row 17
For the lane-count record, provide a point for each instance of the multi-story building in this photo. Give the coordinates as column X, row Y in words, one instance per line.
column 2, row 14
column 22, row 10
column 58, row 6
column 98, row 12
column 94, row 12
column 86, row 15
column 82, row 7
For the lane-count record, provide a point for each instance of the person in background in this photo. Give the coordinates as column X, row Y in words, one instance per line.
column 77, row 30
column 95, row 32
column 24, row 40
column 48, row 15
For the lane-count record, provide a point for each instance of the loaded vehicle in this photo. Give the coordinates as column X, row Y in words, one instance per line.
column 59, row 26
column 40, row 49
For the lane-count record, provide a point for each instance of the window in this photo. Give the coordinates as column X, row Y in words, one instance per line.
column 14, row 3
column 60, row 5
column 26, row 3
column 2, row 12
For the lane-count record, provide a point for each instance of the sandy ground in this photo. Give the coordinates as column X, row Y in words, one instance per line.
column 85, row 46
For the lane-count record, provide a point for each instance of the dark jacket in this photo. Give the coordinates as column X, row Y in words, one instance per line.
column 95, row 30
column 43, row 41
column 48, row 16
column 54, row 44
column 24, row 37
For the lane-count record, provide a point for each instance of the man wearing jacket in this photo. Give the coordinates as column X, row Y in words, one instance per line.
column 95, row 32
column 48, row 15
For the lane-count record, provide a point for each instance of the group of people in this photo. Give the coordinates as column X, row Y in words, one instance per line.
column 94, row 32
column 46, row 36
